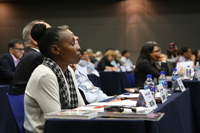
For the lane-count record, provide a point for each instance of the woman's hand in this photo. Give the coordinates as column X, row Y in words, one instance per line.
column 114, row 68
column 162, row 58
column 110, row 68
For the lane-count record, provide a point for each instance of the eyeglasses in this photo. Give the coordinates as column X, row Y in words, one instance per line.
column 159, row 50
column 20, row 49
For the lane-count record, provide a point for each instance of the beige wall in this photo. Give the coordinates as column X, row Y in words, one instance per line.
column 118, row 24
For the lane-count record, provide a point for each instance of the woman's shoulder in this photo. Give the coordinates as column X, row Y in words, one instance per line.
column 42, row 70
column 144, row 61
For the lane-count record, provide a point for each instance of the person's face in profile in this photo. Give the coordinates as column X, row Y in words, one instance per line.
column 85, row 56
column 127, row 55
column 69, row 52
column 118, row 55
column 155, row 54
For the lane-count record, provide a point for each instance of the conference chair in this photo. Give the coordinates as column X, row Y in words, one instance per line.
column 131, row 79
column 17, row 107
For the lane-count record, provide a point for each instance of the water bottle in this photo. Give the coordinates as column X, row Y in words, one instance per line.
column 96, row 64
column 197, row 69
column 163, row 80
column 188, row 71
column 174, row 82
column 149, row 84
column 118, row 67
column 195, row 76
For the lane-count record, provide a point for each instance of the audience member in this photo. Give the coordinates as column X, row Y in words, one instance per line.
column 172, row 55
column 105, row 63
column 84, row 59
column 172, row 58
column 10, row 60
column 196, row 53
column 52, row 85
column 98, row 55
column 85, row 62
column 186, row 55
column 145, row 64
column 118, row 57
column 125, row 58
column 91, row 55
column 31, row 59
column 89, row 92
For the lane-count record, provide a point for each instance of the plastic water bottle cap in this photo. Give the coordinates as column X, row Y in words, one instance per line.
column 188, row 66
column 174, row 69
column 149, row 76
column 162, row 72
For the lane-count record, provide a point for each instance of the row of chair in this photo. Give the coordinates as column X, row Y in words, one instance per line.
column 11, row 112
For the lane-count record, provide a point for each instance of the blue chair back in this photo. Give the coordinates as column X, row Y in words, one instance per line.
column 17, row 106
column 131, row 79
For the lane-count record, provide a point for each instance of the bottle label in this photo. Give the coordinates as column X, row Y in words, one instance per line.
column 163, row 82
column 188, row 71
column 174, row 78
column 151, row 87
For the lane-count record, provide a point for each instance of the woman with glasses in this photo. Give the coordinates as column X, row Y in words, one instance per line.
column 146, row 63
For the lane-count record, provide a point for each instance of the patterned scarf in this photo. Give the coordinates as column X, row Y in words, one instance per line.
column 65, row 104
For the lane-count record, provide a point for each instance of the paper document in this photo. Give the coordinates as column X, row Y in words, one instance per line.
column 184, row 65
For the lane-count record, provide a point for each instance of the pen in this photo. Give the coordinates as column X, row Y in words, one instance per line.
column 126, row 94
column 100, row 106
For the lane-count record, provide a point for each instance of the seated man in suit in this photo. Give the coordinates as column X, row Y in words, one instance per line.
column 9, row 61
column 31, row 59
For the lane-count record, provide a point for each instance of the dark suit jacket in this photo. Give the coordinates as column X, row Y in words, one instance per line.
column 145, row 68
column 24, row 69
column 7, row 69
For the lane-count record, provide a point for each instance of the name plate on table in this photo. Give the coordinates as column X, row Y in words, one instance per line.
column 181, row 85
column 147, row 97
column 162, row 93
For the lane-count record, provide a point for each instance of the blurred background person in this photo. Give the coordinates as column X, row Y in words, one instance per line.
column 91, row 55
column 84, row 59
column 145, row 64
column 105, row 63
column 98, row 55
column 118, row 57
column 196, row 53
column 172, row 55
column 125, row 58
column 186, row 55
column 10, row 60
column 31, row 59
column 85, row 62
